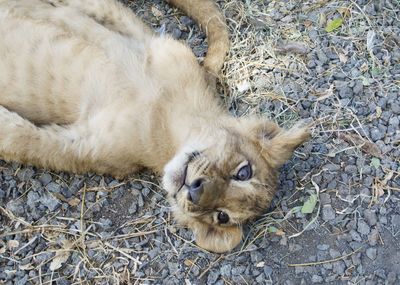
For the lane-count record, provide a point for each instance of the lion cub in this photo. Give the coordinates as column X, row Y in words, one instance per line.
column 86, row 86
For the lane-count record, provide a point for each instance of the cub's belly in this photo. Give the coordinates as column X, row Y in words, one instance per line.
column 45, row 73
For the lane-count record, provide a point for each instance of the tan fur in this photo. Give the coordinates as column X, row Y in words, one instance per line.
column 86, row 86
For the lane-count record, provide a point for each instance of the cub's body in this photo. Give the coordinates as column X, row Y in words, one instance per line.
column 86, row 86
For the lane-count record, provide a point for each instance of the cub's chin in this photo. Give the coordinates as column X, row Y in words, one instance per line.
column 211, row 237
column 217, row 239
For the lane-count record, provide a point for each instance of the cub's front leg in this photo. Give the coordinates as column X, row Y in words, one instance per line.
column 54, row 147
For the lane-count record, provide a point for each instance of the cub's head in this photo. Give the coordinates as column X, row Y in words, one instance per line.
column 227, row 176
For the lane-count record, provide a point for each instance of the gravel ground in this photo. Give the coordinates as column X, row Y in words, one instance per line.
column 336, row 217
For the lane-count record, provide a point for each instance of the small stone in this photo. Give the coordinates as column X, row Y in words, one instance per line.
column 63, row 281
column 363, row 228
column 50, row 202
column 140, row 201
column 90, row 196
column 45, row 178
column 212, row 277
column 395, row 108
column 22, row 281
column 391, row 278
column 351, row 169
column 355, row 236
column 226, row 270
column 176, row 33
column 325, row 198
column 356, row 258
column 268, row 270
column 133, row 208
column 2, row 193
column 136, row 185
column 32, row 199
column 346, row 92
column 260, row 279
column 146, row 191
column 328, row 213
column 186, row 21
column 237, row 270
column 105, row 223
column 373, row 237
column 381, row 273
column 334, row 253
column 316, row 279
column 322, row 56
column 358, row 87
column 66, row 192
column 332, row 167
column 53, row 187
column 16, row 207
column 173, row 267
column 339, row 267
column 36, row 184
column 370, row 216
column 25, row 174
column 323, row 247
column 376, row 134
column 339, row 75
column 371, row 253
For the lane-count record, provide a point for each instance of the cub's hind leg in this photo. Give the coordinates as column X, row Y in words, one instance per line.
column 55, row 147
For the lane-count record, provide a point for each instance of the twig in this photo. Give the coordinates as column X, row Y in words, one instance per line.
column 210, row 266
column 135, row 260
column 325, row 261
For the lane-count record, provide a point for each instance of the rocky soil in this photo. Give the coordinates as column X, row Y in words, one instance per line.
column 336, row 217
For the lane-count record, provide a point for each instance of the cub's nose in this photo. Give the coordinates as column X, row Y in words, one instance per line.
column 196, row 189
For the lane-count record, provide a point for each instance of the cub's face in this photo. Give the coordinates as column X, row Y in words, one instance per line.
column 218, row 183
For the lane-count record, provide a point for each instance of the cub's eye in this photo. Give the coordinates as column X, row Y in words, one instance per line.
column 244, row 173
column 223, row 217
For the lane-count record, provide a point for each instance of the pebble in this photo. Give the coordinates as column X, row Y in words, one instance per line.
column 370, row 217
column 381, row 273
column 373, row 237
column 53, row 187
column 334, row 253
column 391, row 278
column 316, row 279
column 339, row 267
column 376, row 134
column 45, row 179
column 212, row 277
column 32, row 199
column 325, row 198
column 50, row 202
column 363, row 228
column 371, row 253
column 226, row 270
column 328, row 213
column 355, row 236
column 323, row 246
column 16, row 207
column 25, row 174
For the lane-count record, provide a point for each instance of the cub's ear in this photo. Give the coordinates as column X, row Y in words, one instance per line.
column 258, row 129
column 281, row 146
column 217, row 239
column 277, row 144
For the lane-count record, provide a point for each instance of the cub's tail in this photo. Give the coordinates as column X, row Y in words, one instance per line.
column 210, row 19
